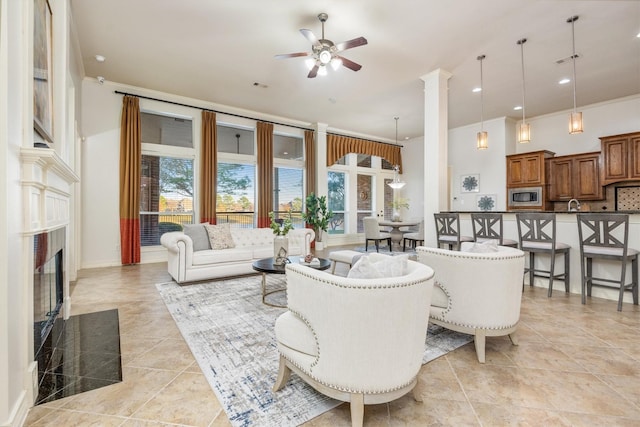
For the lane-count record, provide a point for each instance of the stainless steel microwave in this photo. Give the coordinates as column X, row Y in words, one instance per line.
column 525, row 197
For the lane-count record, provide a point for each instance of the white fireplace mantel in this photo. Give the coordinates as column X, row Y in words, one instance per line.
column 46, row 183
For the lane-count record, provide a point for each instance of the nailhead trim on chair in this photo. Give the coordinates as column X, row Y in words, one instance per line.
column 367, row 287
column 448, row 298
column 457, row 254
column 315, row 336
column 347, row 390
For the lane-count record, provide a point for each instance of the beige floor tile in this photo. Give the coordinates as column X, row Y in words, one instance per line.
column 138, row 386
column 186, row 400
column 576, row 365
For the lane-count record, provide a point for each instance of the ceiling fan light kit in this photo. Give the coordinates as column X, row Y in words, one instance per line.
column 325, row 52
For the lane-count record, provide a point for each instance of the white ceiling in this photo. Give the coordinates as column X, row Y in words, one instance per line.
column 215, row 50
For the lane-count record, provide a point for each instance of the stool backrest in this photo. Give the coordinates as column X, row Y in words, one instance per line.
column 448, row 225
column 608, row 232
column 536, row 228
column 487, row 226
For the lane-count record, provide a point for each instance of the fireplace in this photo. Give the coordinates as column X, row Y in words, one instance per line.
column 48, row 287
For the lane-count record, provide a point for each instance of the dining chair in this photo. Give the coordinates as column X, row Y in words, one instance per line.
column 487, row 226
column 414, row 238
column 606, row 236
column 372, row 232
column 448, row 230
column 537, row 235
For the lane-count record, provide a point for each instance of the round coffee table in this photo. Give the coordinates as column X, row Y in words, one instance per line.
column 266, row 266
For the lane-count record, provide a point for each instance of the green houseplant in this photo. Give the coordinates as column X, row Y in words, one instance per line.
column 317, row 216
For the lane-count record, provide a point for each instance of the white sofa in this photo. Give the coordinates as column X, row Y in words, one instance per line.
column 357, row 340
column 187, row 265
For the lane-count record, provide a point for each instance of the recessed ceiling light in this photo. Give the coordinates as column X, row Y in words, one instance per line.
column 564, row 81
column 638, row 35
column 518, row 107
column 476, row 89
column 100, row 58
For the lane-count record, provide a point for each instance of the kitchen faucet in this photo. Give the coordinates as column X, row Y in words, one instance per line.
column 577, row 208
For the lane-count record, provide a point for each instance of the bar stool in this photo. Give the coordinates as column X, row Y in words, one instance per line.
column 448, row 230
column 487, row 226
column 537, row 235
column 606, row 236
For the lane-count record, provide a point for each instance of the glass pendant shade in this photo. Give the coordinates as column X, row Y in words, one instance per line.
column 482, row 140
column 575, row 122
column 322, row 71
column 524, row 133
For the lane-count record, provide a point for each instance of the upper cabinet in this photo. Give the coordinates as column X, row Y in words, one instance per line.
column 621, row 157
column 527, row 169
column 575, row 177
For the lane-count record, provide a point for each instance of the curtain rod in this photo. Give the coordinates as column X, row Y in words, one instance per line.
column 209, row 109
column 364, row 139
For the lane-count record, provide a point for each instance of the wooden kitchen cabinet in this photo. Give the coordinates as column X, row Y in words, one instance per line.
column 575, row 177
column 527, row 169
column 621, row 157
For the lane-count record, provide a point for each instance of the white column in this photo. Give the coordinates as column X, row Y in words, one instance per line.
column 435, row 149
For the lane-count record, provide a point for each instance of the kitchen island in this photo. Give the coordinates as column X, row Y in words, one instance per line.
column 567, row 232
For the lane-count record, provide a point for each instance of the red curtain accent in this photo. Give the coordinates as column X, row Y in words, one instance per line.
column 130, row 165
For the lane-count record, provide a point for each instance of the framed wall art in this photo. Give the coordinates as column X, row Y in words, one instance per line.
column 487, row 202
column 470, row 183
column 42, row 70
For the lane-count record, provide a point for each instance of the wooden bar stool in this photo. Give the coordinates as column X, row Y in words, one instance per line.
column 606, row 236
column 487, row 226
column 537, row 235
column 448, row 230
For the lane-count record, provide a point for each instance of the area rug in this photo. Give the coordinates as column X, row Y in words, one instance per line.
column 231, row 334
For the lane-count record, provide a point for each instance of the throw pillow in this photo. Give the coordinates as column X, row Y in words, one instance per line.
column 378, row 266
column 486, row 247
column 220, row 236
column 199, row 236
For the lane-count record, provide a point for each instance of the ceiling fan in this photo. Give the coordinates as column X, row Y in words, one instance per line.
column 325, row 52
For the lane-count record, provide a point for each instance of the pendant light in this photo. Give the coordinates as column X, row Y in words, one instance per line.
column 524, row 130
column 396, row 184
column 482, row 142
column 575, row 120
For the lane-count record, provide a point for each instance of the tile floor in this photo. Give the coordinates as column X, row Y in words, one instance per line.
column 575, row 366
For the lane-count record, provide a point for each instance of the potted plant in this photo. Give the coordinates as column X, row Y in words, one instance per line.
column 280, row 228
column 397, row 204
column 317, row 216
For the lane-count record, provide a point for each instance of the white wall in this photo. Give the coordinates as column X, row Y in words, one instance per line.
column 550, row 132
column 490, row 164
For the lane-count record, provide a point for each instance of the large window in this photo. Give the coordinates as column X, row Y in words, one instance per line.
column 337, row 201
column 288, row 194
column 235, row 202
column 166, row 184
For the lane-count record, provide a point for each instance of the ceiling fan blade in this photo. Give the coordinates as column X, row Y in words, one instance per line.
column 360, row 41
column 308, row 34
column 349, row 63
column 292, row 55
column 313, row 72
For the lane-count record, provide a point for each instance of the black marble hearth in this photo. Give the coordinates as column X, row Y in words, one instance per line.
column 80, row 354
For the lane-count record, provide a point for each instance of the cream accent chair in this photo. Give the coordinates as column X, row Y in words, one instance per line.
column 476, row 293
column 356, row 340
column 372, row 232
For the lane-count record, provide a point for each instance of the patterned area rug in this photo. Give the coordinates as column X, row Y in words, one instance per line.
column 230, row 333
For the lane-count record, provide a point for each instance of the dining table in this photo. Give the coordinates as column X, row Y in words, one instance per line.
column 396, row 233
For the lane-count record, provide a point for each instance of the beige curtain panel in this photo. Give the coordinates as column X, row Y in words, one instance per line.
column 130, row 165
column 265, row 173
column 209, row 168
column 338, row 146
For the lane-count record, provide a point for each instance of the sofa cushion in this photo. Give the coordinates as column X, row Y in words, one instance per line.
column 220, row 236
column 221, row 256
column 199, row 236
